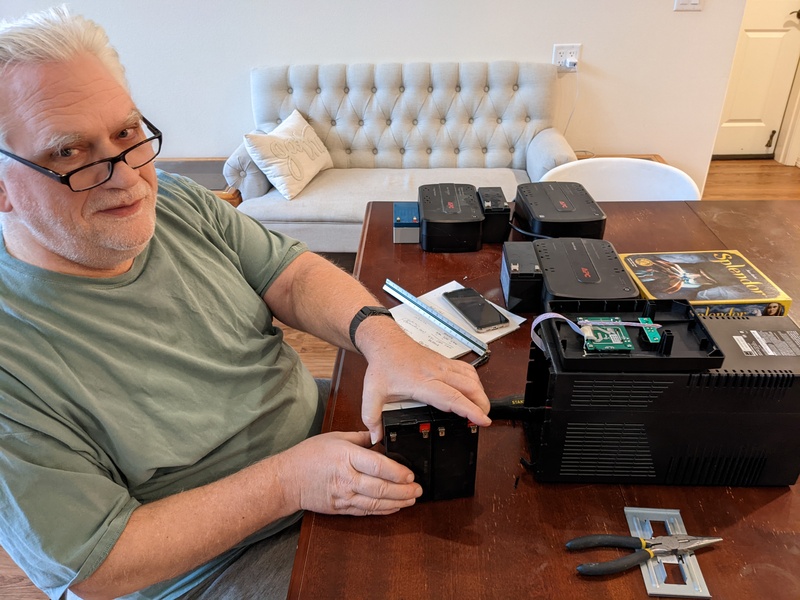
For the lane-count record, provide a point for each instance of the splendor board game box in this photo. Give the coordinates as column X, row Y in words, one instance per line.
column 713, row 281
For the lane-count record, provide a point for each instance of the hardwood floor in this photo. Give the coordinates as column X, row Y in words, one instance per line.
column 14, row 584
column 727, row 180
column 751, row 180
column 318, row 356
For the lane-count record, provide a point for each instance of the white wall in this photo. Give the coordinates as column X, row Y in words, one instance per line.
column 651, row 80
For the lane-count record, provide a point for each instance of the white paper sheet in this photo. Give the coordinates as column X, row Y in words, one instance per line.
column 432, row 336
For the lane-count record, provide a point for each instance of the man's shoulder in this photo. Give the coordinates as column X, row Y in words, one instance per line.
column 185, row 199
column 173, row 186
column 188, row 213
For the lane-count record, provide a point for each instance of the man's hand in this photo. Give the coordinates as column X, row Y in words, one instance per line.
column 331, row 473
column 401, row 369
column 336, row 473
column 313, row 295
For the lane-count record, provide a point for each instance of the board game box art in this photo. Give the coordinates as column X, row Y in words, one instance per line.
column 714, row 281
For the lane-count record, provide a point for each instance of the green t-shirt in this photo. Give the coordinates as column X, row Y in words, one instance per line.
column 119, row 391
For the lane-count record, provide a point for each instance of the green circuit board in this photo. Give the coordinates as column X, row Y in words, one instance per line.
column 604, row 336
column 649, row 331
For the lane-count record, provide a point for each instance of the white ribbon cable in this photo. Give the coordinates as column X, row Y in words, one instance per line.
column 583, row 322
column 576, row 327
column 550, row 315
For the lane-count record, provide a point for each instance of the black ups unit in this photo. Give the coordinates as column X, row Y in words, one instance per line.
column 687, row 400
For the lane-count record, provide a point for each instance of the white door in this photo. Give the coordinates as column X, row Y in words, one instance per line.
column 764, row 65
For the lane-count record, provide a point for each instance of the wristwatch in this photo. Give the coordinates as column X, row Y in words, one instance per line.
column 364, row 313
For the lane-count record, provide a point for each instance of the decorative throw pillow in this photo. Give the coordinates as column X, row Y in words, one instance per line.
column 290, row 156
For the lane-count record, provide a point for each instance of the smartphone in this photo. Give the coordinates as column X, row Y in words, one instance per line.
column 481, row 314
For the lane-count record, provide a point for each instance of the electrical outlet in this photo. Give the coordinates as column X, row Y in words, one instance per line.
column 689, row 5
column 566, row 54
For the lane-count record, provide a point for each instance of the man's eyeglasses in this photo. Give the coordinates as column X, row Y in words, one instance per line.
column 97, row 173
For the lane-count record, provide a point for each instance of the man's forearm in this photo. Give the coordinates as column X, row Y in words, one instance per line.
column 315, row 296
column 331, row 473
column 171, row 536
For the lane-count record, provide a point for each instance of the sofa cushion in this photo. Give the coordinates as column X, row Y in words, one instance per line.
column 290, row 156
column 341, row 195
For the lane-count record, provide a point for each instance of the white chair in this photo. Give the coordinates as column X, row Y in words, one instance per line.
column 620, row 178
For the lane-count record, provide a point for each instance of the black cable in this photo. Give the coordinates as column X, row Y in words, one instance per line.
column 530, row 233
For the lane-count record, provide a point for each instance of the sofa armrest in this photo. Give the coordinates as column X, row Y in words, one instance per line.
column 548, row 149
column 230, row 194
column 243, row 174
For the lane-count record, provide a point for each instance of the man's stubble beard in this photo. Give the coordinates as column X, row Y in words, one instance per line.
column 102, row 243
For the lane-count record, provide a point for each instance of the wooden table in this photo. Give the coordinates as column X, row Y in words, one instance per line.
column 766, row 231
column 507, row 541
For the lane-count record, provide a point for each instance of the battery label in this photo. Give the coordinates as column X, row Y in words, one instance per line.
column 755, row 342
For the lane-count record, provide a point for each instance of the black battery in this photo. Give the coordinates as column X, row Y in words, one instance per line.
column 496, row 215
column 521, row 277
column 441, row 448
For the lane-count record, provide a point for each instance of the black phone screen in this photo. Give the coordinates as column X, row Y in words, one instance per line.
column 477, row 310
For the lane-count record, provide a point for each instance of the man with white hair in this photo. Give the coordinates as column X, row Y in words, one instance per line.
column 158, row 438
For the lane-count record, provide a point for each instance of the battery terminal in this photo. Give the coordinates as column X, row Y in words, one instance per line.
column 425, row 429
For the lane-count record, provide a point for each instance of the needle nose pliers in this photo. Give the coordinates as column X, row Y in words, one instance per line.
column 645, row 549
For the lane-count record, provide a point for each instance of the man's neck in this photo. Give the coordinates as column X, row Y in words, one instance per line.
column 39, row 256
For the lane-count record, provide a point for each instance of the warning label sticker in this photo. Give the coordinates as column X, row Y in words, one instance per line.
column 756, row 342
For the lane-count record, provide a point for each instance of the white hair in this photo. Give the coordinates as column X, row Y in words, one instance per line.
column 53, row 35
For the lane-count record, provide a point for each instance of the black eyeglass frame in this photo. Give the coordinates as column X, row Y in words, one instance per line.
column 111, row 161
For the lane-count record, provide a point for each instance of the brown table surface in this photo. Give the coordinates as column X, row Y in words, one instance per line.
column 508, row 540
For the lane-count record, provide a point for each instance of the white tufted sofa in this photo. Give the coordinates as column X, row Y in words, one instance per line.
column 392, row 127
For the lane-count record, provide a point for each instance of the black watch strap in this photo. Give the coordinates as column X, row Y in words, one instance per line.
column 365, row 312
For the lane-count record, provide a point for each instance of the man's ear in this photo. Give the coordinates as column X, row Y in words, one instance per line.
column 5, row 205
